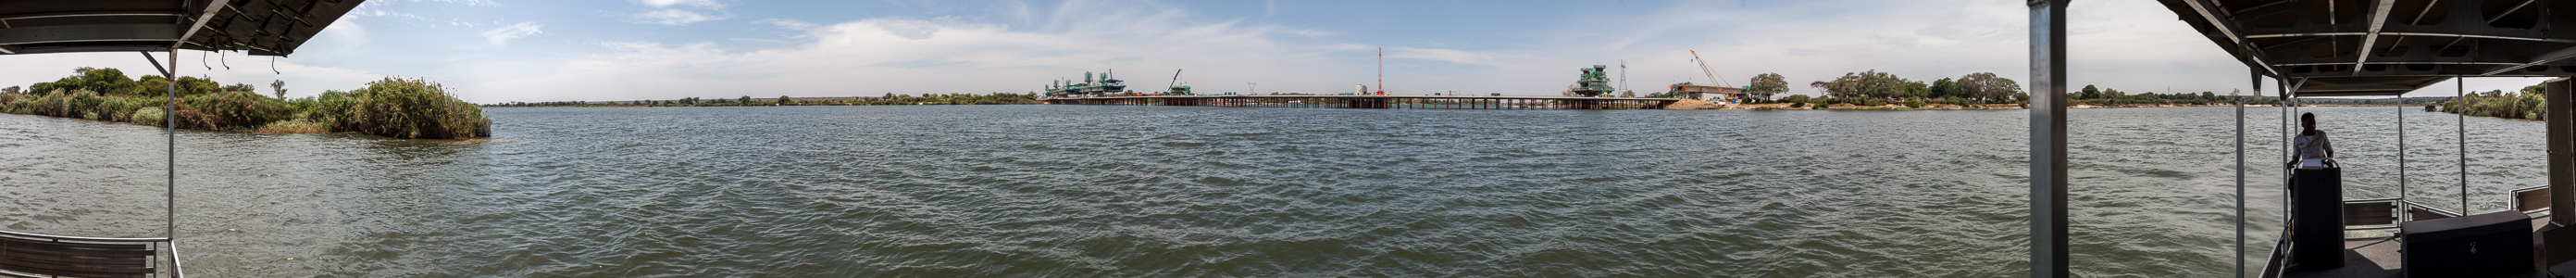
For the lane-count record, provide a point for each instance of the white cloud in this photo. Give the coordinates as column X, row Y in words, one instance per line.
column 790, row 24
column 345, row 34
column 876, row 56
column 673, row 17
column 502, row 36
column 1015, row 48
column 710, row 4
column 1445, row 55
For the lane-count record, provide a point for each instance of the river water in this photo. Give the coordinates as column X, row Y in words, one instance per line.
column 1061, row 190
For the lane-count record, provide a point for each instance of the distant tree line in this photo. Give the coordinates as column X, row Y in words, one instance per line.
column 1875, row 88
column 2097, row 96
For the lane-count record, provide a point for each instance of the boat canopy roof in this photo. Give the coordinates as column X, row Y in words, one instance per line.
column 260, row 27
column 2388, row 47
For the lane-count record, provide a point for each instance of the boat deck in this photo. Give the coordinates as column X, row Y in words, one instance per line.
column 2378, row 257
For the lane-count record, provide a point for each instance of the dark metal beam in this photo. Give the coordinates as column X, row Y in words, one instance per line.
column 2048, row 234
column 87, row 33
column 86, row 14
column 212, row 8
column 130, row 48
column 2516, row 7
column 2378, row 20
column 2413, row 34
column 2258, row 7
column 2397, row 63
column 2209, row 13
column 2543, row 58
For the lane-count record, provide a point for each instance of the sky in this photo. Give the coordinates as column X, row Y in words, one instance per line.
column 495, row 51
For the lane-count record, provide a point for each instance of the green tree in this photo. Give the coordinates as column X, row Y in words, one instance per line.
column 1986, row 87
column 2089, row 92
column 1823, row 88
column 1917, row 90
column 746, row 101
column 106, row 81
column 782, row 100
column 1943, row 88
column 1766, row 85
column 280, row 87
column 1867, row 84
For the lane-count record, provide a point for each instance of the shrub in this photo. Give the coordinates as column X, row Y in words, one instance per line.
column 229, row 110
column 293, row 126
column 146, row 116
column 401, row 108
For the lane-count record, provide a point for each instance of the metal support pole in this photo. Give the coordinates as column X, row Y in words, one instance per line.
column 2240, row 172
column 2048, row 252
column 2562, row 152
column 170, row 124
column 2402, row 193
column 2461, row 89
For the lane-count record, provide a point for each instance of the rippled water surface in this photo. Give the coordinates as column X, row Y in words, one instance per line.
column 1038, row 190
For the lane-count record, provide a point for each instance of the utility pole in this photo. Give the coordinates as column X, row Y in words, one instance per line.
column 1250, row 88
column 1381, row 71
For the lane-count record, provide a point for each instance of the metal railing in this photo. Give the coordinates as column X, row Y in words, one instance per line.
column 177, row 270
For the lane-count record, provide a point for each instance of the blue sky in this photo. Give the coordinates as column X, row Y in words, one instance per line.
column 491, row 51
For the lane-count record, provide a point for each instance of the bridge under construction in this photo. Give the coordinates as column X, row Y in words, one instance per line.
column 1383, row 102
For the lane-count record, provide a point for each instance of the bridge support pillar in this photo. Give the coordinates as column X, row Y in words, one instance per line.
column 1366, row 103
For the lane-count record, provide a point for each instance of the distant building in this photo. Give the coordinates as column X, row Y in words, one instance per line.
column 1688, row 90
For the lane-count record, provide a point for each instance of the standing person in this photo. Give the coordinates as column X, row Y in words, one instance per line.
column 2311, row 143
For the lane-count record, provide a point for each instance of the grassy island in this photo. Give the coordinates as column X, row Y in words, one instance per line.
column 392, row 107
column 2526, row 104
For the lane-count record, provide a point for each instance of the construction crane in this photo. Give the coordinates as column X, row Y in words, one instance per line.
column 1703, row 68
column 1176, row 88
column 1688, row 90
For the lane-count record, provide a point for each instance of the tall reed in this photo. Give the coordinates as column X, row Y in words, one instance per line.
column 401, row 108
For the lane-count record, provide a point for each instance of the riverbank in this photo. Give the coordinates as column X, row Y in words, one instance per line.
column 392, row 107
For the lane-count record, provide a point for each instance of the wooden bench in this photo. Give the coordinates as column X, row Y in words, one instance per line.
column 34, row 256
column 2532, row 201
column 2370, row 214
column 2425, row 212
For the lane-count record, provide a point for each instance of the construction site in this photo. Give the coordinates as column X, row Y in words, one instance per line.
column 1592, row 90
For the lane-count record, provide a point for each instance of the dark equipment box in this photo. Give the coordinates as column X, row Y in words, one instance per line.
column 2484, row 245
